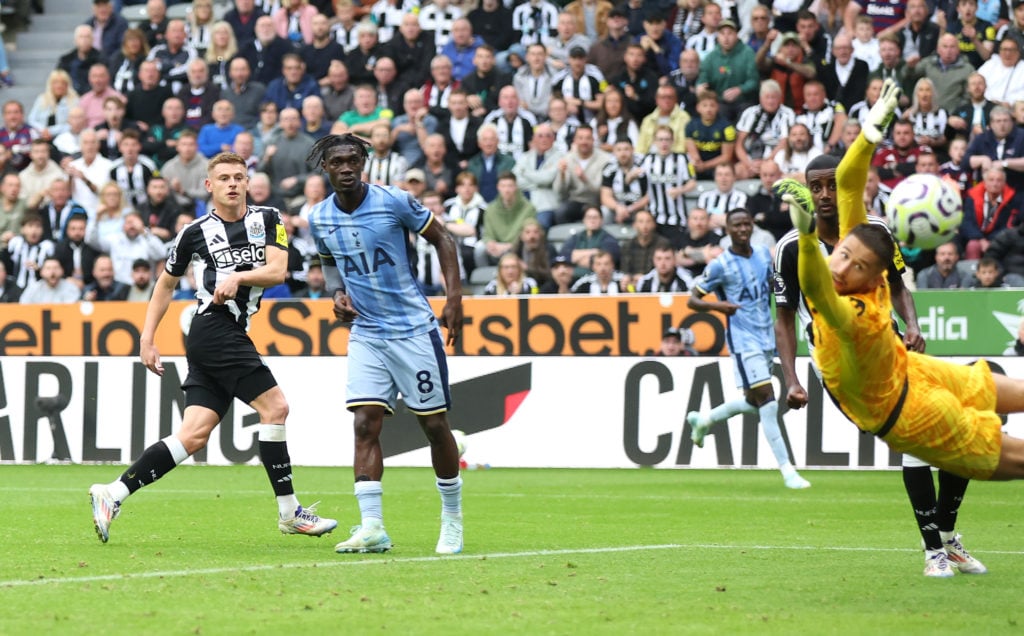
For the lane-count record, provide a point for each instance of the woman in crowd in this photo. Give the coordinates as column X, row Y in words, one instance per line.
column 49, row 114
column 124, row 65
column 511, row 278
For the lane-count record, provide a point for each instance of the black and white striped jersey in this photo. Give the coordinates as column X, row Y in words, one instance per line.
column 439, row 22
column 513, row 136
column 718, row 202
column 565, row 133
column 665, row 172
column 537, row 23
column 387, row 170
column 681, row 281
column 787, row 280
column 24, row 259
column 614, row 177
column 930, row 124
column 216, row 249
column 764, row 130
column 820, row 123
column 133, row 181
column 586, row 87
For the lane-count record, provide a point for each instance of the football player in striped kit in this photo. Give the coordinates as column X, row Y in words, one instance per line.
column 236, row 251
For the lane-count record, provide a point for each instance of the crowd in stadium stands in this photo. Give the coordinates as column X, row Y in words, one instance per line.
column 570, row 147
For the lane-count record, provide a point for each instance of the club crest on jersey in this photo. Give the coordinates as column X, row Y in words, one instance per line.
column 250, row 254
column 256, row 230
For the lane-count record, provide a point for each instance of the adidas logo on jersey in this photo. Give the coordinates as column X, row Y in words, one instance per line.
column 250, row 254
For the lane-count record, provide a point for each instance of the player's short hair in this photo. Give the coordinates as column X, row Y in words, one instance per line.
column 225, row 158
column 508, row 175
column 730, row 213
column 878, row 239
column 822, row 162
column 188, row 132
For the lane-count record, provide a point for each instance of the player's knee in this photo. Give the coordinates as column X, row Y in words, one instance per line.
column 194, row 440
column 366, row 425
column 434, row 426
column 275, row 413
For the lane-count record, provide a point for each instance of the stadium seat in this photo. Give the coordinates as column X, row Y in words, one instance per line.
column 479, row 278
column 702, row 186
column 966, row 267
column 621, row 232
column 750, row 187
column 559, row 234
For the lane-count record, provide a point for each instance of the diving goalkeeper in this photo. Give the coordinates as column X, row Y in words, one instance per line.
column 941, row 412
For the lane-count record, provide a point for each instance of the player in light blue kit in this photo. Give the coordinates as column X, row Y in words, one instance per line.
column 741, row 279
column 395, row 345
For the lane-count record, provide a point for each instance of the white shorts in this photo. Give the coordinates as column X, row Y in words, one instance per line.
column 417, row 368
column 909, row 461
column 752, row 369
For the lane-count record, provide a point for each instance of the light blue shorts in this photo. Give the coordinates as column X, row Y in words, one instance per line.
column 417, row 368
column 752, row 369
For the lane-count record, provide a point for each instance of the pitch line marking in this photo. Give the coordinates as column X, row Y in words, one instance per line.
column 456, row 557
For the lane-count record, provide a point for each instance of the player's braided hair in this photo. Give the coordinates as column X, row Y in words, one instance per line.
column 327, row 142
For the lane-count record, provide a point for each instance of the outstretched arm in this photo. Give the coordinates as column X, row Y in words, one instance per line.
column 852, row 174
column 815, row 277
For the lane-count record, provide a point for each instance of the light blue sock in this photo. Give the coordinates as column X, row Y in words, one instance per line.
column 369, row 494
column 722, row 412
column 451, row 495
column 772, row 432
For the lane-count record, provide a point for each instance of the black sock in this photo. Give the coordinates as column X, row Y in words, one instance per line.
column 155, row 462
column 279, row 466
column 951, row 495
column 921, row 491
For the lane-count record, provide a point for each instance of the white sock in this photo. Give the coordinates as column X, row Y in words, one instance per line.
column 947, row 535
column 287, row 506
column 118, row 490
column 770, row 425
column 451, row 494
column 722, row 412
column 369, row 494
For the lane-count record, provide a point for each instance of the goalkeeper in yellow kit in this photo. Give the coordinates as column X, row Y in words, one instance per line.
column 943, row 413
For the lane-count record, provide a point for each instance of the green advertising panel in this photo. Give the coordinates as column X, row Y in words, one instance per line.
column 967, row 322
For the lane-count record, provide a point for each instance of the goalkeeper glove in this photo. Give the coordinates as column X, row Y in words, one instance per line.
column 881, row 114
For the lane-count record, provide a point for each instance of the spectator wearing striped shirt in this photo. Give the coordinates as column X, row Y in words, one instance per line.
column 669, row 177
column 723, row 198
column 665, row 276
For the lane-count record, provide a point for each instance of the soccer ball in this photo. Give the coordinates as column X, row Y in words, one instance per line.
column 924, row 211
column 460, row 441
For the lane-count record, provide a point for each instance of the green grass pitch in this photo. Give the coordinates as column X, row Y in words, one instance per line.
column 547, row 552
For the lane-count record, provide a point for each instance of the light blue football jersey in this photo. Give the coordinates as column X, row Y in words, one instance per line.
column 745, row 281
column 370, row 248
